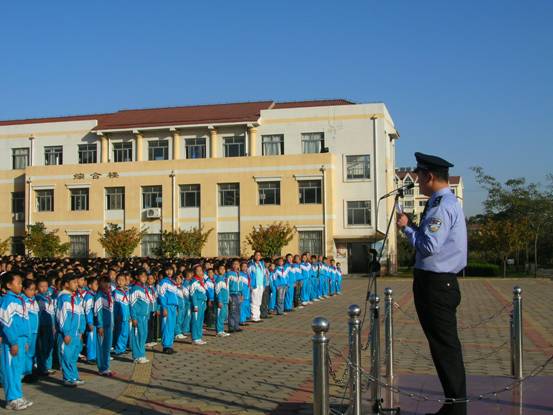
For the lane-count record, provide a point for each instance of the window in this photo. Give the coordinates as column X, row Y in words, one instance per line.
column 229, row 194
column 115, row 198
column 150, row 244
column 53, row 156
column 310, row 191
column 409, row 204
column 229, row 244
column 422, row 203
column 20, row 158
column 359, row 212
column 190, row 195
column 18, row 202
column 45, row 200
column 235, row 146
column 408, row 192
column 158, row 150
column 78, row 246
column 358, row 167
column 122, row 151
column 79, row 199
column 195, row 148
column 311, row 241
column 272, row 145
column 151, row 197
column 87, row 153
column 269, row 193
column 18, row 247
column 312, row 142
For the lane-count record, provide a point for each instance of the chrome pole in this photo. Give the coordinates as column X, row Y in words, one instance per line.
column 354, row 311
column 321, row 406
column 517, row 331
column 375, row 352
column 389, row 344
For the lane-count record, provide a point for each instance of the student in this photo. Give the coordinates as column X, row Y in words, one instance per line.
column 139, row 310
column 281, row 284
column 222, row 299
column 234, row 282
column 296, row 269
column 69, row 313
column 339, row 279
column 29, row 291
column 154, row 311
column 46, row 329
column 273, row 288
column 187, row 320
column 290, row 276
column 198, row 297
column 103, row 320
column 315, row 285
column 90, row 295
column 81, row 292
column 14, row 321
column 305, row 267
column 209, row 280
column 180, row 309
column 167, row 296
column 121, row 315
column 246, row 290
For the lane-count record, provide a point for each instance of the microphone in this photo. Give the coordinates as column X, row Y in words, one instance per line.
column 400, row 190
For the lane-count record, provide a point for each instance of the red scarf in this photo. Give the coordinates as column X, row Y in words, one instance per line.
column 22, row 302
column 139, row 284
column 200, row 280
column 73, row 302
column 124, row 294
column 108, row 295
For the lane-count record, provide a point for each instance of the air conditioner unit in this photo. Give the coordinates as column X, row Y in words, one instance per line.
column 19, row 216
column 153, row 213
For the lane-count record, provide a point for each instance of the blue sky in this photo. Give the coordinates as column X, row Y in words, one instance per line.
column 471, row 81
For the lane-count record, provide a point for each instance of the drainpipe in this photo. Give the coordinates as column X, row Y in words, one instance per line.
column 375, row 181
column 29, row 202
column 32, row 150
column 173, row 191
column 323, row 197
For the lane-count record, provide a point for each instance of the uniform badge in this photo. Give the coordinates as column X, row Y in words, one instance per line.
column 434, row 224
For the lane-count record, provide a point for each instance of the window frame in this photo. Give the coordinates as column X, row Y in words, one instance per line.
column 91, row 151
column 53, row 151
column 271, row 136
column 79, row 199
column 41, row 198
column 188, row 146
column 153, row 242
column 27, row 157
column 366, row 169
column 86, row 245
column 156, row 145
column 302, row 188
column 308, row 138
column 18, row 196
column 221, row 242
column 112, row 199
column 147, row 192
column 221, row 191
column 263, row 192
column 122, row 148
column 368, row 209
column 241, row 145
column 191, row 188
column 309, row 248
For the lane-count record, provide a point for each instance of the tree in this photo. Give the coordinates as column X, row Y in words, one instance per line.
column 5, row 245
column 120, row 243
column 43, row 243
column 405, row 252
column 189, row 242
column 270, row 240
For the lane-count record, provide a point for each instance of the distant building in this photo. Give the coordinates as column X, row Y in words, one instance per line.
column 414, row 201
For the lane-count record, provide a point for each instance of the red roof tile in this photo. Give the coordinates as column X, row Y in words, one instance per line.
column 53, row 119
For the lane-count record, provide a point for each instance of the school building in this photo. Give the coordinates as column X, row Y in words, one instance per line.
column 319, row 165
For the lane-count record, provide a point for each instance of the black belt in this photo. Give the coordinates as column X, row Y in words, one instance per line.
column 424, row 273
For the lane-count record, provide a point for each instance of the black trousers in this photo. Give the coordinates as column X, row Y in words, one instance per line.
column 436, row 299
column 297, row 293
column 264, row 309
column 235, row 304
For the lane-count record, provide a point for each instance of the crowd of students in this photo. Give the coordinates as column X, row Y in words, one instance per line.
column 60, row 311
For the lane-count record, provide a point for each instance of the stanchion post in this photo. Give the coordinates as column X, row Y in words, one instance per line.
column 517, row 333
column 375, row 352
column 389, row 342
column 354, row 311
column 321, row 406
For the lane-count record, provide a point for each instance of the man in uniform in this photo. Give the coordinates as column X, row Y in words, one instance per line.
column 440, row 242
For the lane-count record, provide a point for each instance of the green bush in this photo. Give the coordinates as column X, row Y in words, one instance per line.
column 482, row 269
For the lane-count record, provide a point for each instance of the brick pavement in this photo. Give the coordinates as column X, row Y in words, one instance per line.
column 267, row 368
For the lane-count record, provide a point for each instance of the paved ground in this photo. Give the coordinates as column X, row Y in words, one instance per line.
column 267, row 368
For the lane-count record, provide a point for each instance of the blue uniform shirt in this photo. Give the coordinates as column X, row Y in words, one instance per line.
column 440, row 240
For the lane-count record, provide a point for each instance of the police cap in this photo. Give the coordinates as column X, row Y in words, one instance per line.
column 431, row 163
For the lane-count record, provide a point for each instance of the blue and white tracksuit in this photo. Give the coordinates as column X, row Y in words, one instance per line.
column 103, row 319
column 281, row 285
column 290, row 275
column 222, row 296
column 198, row 297
column 180, row 310
column 245, row 307
column 14, row 322
column 167, row 298
column 187, row 318
column 30, row 359
column 139, row 299
column 234, row 284
column 305, row 294
column 89, row 317
column 69, row 321
column 122, row 317
column 46, row 332
column 273, row 295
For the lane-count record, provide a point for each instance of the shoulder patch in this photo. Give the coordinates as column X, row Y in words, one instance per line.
column 437, row 201
column 434, row 225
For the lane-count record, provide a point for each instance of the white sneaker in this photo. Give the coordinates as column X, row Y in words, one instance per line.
column 223, row 334
column 316, row 299
column 199, row 342
column 304, row 303
column 141, row 360
column 79, row 382
column 111, row 358
column 27, row 402
column 16, row 405
column 180, row 336
column 300, row 306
